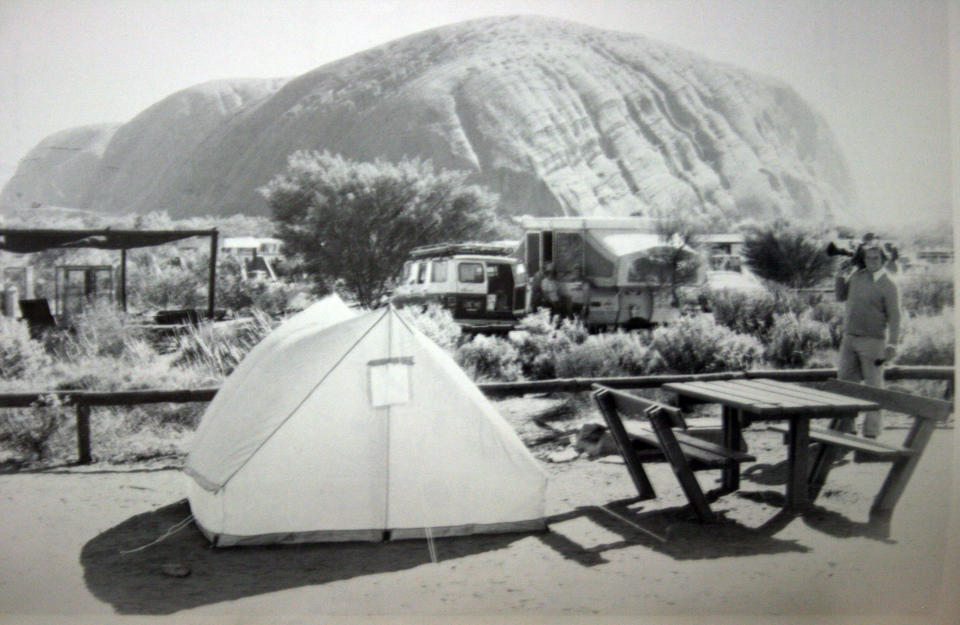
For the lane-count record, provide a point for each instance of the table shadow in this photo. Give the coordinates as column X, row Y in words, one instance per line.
column 136, row 583
column 825, row 520
column 675, row 532
column 766, row 474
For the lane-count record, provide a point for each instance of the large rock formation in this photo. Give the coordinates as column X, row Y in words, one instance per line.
column 60, row 169
column 557, row 117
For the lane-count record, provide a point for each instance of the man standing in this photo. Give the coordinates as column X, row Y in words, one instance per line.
column 871, row 325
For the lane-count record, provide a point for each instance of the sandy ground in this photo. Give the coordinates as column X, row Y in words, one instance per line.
column 73, row 550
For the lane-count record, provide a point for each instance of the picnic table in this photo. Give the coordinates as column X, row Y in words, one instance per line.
column 743, row 401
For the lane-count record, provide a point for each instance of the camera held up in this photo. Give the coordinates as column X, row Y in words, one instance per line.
column 853, row 253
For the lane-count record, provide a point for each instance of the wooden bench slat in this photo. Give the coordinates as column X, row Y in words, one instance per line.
column 895, row 401
column 812, row 394
column 695, row 389
column 731, row 454
column 758, row 408
column 759, row 404
column 762, row 395
column 757, row 388
column 634, row 405
column 853, row 442
column 799, row 399
column 714, row 456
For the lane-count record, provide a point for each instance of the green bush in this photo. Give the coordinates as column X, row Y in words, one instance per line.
column 218, row 348
column 787, row 253
column 697, row 344
column 20, row 355
column 28, row 433
column 794, row 339
column 163, row 287
column 489, row 358
column 829, row 313
column 926, row 293
column 753, row 313
column 437, row 323
column 541, row 339
column 604, row 355
column 927, row 340
column 100, row 330
column 273, row 297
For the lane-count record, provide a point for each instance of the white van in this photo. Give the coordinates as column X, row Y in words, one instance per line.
column 483, row 284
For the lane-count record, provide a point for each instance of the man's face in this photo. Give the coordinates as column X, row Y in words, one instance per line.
column 873, row 259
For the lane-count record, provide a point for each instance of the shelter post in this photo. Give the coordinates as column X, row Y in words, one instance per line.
column 211, row 288
column 83, row 433
column 123, row 279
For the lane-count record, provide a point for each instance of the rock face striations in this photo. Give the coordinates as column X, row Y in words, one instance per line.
column 558, row 118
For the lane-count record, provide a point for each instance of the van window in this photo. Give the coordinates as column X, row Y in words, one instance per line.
column 547, row 246
column 470, row 272
column 532, row 245
column 406, row 272
column 568, row 255
column 438, row 272
column 421, row 272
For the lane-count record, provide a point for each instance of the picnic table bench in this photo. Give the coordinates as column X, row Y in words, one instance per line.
column 831, row 443
column 663, row 442
column 746, row 401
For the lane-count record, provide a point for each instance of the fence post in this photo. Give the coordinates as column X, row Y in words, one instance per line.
column 83, row 433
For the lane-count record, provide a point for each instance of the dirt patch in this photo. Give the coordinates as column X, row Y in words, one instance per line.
column 81, row 542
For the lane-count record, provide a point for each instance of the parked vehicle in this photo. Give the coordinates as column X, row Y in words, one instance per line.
column 612, row 272
column 484, row 285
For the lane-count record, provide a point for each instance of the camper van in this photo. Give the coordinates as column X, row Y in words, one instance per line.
column 484, row 285
column 608, row 271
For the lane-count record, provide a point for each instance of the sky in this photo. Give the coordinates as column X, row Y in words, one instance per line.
column 878, row 71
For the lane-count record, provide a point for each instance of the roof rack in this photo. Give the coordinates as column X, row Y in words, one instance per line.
column 451, row 249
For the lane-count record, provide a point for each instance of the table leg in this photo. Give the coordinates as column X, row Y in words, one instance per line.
column 732, row 438
column 798, row 460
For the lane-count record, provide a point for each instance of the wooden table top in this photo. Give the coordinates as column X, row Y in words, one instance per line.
column 771, row 398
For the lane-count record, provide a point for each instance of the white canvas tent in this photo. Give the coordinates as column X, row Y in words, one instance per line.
column 362, row 430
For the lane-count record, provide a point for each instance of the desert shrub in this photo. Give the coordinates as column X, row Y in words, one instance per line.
column 926, row 293
column 604, row 355
column 698, row 344
column 927, row 340
column 169, row 287
column 218, row 348
column 541, row 339
column 20, row 355
column 437, row 323
column 754, row 312
column 829, row 313
column 100, row 330
column 794, row 339
column 28, row 433
column 490, row 358
column 271, row 296
column 133, row 434
column 787, row 253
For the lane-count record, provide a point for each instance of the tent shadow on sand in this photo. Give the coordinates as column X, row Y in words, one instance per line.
column 134, row 583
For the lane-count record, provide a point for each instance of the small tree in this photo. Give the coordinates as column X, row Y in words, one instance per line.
column 681, row 235
column 356, row 222
column 788, row 254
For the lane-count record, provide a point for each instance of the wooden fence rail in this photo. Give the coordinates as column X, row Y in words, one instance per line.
column 84, row 400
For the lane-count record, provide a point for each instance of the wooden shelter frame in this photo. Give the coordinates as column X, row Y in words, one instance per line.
column 27, row 241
